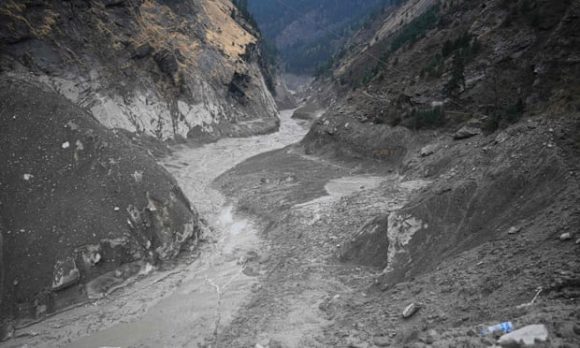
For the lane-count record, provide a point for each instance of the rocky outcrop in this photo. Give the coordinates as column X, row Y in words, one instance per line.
column 369, row 246
column 171, row 69
column 77, row 202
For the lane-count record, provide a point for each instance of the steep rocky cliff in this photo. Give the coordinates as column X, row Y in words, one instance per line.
column 172, row 69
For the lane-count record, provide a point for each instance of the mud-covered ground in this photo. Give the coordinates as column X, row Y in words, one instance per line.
column 188, row 304
column 325, row 285
column 300, row 250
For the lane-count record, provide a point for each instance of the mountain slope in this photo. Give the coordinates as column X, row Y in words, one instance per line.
column 308, row 33
column 82, row 208
column 496, row 60
column 475, row 106
column 172, row 69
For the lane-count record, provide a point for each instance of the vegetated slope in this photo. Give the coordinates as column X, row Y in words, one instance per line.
column 495, row 60
column 82, row 209
column 172, row 69
column 308, row 33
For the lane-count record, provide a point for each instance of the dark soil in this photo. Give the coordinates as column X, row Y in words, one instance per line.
column 68, row 186
column 330, row 280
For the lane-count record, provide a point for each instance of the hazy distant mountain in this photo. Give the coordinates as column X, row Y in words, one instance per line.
column 308, row 32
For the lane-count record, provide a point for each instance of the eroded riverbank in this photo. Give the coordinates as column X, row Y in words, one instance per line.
column 183, row 306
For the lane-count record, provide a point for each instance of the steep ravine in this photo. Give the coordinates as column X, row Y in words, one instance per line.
column 90, row 90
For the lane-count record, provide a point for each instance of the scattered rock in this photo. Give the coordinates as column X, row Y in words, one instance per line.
column 355, row 342
column 264, row 258
column 26, row 334
column 428, row 150
column 251, row 271
column 410, row 310
column 41, row 310
column 137, row 176
column 268, row 343
column 65, row 274
column 565, row 236
column 488, row 342
column 72, row 126
column 6, row 332
column 251, row 256
column 563, row 329
column 432, row 336
column 142, row 51
column 501, row 137
column 524, row 337
column 382, row 341
column 290, row 179
column 166, row 61
column 256, row 288
column 89, row 254
column 275, row 344
column 466, row 132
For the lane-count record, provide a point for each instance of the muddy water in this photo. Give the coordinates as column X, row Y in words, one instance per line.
column 196, row 168
column 182, row 307
column 215, row 286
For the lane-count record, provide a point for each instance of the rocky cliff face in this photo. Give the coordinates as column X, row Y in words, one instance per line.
column 172, row 69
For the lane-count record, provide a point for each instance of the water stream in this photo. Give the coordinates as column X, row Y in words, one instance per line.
column 181, row 307
column 214, row 286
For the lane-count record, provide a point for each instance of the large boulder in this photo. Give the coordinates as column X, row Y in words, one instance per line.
column 77, row 201
column 369, row 246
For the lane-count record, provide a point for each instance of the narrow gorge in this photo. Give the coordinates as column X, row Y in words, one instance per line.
column 227, row 173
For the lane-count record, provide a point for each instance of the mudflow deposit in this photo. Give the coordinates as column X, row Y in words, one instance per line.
column 155, row 192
